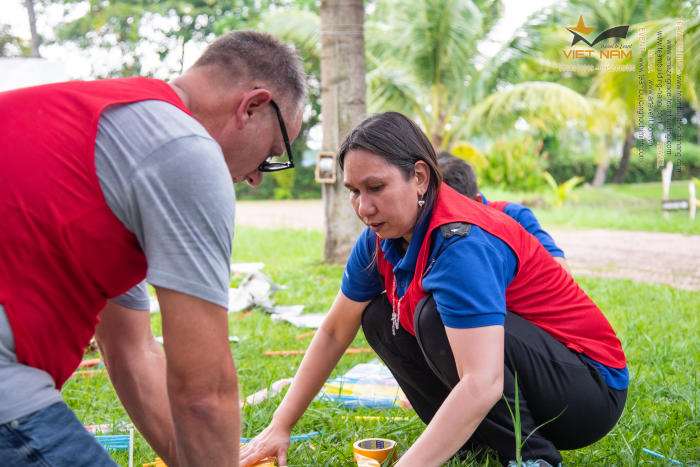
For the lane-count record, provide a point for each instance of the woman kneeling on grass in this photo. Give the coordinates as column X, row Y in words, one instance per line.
column 471, row 301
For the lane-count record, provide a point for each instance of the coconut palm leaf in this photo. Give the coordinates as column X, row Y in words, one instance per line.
column 299, row 26
column 540, row 104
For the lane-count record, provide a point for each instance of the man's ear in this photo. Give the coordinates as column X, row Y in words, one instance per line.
column 250, row 104
column 478, row 198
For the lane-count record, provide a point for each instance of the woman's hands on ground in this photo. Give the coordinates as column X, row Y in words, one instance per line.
column 272, row 441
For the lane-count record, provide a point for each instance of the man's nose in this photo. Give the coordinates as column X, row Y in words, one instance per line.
column 254, row 178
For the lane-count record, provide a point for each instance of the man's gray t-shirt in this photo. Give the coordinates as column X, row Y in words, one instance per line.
column 166, row 180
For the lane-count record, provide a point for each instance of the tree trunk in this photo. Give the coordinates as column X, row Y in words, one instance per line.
column 602, row 168
column 32, row 27
column 342, row 107
column 621, row 172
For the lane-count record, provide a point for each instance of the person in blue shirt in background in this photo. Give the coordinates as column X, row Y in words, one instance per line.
column 460, row 175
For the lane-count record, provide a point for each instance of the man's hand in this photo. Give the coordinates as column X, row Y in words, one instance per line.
column 201, row 380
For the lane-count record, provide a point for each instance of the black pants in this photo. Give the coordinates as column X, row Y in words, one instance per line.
column 553, row 383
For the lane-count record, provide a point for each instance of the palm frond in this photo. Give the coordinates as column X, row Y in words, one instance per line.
column 541, row 104
column 392, row 88
column 299, row 26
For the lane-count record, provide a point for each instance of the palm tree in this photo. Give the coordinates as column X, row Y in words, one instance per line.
column 424, row 61
column 621, row 86
column 335, row 62
column 32, row 27
column 342, row 106
column 616, row 93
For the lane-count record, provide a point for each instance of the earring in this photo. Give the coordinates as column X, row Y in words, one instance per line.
column 421, row 201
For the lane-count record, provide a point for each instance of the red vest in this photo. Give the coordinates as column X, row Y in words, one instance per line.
column 500, row 205
column 541, row 292
column 62, row 250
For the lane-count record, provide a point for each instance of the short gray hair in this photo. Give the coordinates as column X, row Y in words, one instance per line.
column 261, row 56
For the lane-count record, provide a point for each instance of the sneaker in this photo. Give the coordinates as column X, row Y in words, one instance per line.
column 532, row 463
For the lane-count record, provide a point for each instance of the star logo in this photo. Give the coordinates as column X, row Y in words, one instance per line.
column 581, row 27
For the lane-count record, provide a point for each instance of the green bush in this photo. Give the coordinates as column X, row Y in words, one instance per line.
column 297, row 183
column 515, row 164
column 640, row 169
column 564, row 168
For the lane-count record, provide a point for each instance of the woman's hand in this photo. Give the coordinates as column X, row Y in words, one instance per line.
column 330, row 341
column 272, row 441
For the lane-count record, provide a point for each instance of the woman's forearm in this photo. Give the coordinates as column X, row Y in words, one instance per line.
column 327, row 347
column 318, row 363
column 454, row 423
column 478, row 356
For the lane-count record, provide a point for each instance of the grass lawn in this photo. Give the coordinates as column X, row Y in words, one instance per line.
column 624, row 207
column 658, row 326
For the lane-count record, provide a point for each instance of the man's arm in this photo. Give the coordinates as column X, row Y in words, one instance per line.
column 201, row 380
column 527, row 219
column 136, row 366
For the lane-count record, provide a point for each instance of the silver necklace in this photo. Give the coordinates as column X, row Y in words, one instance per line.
column 395, row 309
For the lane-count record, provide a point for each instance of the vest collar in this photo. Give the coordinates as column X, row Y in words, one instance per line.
column 394, row 254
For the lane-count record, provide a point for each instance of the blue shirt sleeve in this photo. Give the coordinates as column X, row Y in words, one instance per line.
column 361, row 278
column 469, row 278
column 527, row 219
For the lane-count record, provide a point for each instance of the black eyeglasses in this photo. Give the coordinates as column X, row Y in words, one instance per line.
column 269, row 165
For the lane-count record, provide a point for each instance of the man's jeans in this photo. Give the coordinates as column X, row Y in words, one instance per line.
column 50, row 437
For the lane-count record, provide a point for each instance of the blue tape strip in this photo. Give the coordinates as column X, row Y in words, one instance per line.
column 115, row 442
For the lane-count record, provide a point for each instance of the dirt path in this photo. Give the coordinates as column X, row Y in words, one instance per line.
column 661, row 258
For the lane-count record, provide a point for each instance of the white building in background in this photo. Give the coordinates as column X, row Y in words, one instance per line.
column 20, row 72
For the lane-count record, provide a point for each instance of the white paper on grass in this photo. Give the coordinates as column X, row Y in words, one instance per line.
column 255, row 290
column 242, row 297
column 154, row 306
column 263, row 394
column 287, row 310
column 246, row 268
column 309, row 320
column 238, row 299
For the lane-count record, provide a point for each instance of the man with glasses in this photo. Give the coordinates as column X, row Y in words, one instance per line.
column 269, row 165
column 108, row 183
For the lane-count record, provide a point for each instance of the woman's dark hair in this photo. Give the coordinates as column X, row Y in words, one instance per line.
column 401, row 143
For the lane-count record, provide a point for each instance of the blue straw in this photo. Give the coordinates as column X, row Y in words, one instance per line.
column 295, row 437
column 307, row 435
column 656, row 454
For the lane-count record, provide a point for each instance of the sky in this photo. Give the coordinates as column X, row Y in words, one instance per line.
column 76, row 65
